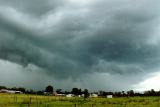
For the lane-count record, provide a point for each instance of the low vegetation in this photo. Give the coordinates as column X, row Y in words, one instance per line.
column 26, row 100
column 21, row 97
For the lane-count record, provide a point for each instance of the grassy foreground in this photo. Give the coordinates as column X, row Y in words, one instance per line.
column 15, row 100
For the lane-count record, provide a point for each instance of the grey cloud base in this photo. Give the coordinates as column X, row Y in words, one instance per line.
column 69, row 40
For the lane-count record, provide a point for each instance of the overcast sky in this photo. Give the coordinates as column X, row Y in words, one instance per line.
column 94, row 44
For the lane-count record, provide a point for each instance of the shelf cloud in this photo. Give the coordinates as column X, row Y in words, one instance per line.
column 68, row 39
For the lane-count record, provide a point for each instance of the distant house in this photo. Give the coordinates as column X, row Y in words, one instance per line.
column 10, row 91
column 4, row 91
column 109, row 96
column 54, row 93
column 79, row 95
column 82, row 95
column 93, row 95
column 60, row 95
column 50, row 93
column 69, row 95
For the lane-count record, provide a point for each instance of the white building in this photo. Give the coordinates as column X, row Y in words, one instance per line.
column 10, row 91
column 69, row 95
column 93, row 95
column 109, row 96
column 60, row 94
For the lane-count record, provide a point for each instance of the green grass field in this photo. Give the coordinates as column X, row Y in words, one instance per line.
column 15, row 100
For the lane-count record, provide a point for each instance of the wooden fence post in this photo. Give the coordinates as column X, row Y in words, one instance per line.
column 92, row 105
column 30, row 100
column 28, row 104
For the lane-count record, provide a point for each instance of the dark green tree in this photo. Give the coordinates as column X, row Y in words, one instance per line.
column 3, row 87
column 49, row 89
column 86, row 93
column 59, row 91
column 75, row 91
column 130, row 93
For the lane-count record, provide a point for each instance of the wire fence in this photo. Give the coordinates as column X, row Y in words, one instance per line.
column 49, row 101
column 75, row 105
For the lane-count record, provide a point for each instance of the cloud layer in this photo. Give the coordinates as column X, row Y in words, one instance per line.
column 72, row 39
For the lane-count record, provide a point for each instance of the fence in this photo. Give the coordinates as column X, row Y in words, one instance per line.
column 13, row 100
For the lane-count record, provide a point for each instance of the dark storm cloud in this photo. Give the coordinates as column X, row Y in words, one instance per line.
column 116, row 37
column 34, row 7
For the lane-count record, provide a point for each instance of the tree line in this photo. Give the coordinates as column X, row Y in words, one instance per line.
column 78, row 91
column 130, row 93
